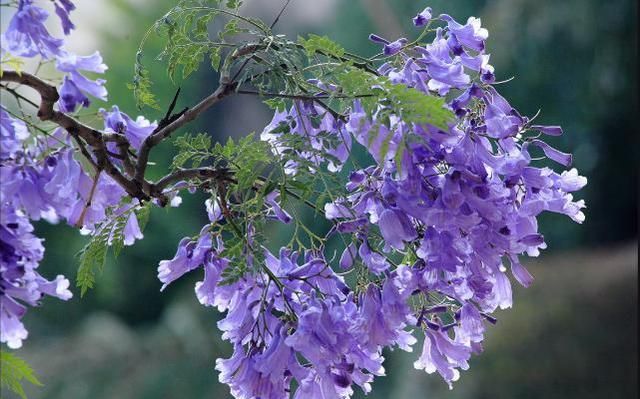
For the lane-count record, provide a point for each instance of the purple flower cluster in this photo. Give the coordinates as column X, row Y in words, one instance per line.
column 294, row 309
column 324, row 138
column 462, row 202
column 41, row 177
column 458, row 205
column 27, row 36
column 25, row 195
column 429, row 226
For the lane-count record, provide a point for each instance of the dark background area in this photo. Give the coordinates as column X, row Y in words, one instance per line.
column 572, row 335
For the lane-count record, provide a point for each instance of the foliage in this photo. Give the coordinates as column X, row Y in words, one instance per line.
column 93, row 256
column 13, row 371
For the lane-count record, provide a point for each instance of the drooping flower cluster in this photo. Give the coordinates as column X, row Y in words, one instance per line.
column 463, row 201
column 27, row 193
column 324, row 138
column 41, row 175
column 291, row 311
column 26, row 36
column 429, row 226
column 42, row 179
column 459, row 204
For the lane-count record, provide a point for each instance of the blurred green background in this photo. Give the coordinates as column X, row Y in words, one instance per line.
column 572, row 335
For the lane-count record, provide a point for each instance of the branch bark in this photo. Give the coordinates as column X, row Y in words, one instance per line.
column 164, row 132
column 93, row 137
column 85, row 136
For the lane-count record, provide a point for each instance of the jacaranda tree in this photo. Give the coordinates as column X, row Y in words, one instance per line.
column 432, row 184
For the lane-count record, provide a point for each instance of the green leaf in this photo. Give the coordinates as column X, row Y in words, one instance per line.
column 321, row 44
column 141, row 85
column 418, row 107
column 92, row 260
column 117, row 242
column 93, row 256
column 143, row 214
column 234, row 4
column 355, row 81
column 276, row 104
column 231, row 28
column 214, row 57
column 194, row 149
column 15, row 63
column 13, row 370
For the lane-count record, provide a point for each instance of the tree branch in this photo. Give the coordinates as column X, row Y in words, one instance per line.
column 301, row 96
column 95, row 138
column 227, row 86
column 187, row 116
column 217, row 174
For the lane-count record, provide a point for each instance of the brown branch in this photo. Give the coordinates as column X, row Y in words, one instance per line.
column 302, row 96
column 164, row 130
column 275, row 21
column 94, row 138
column 85, row 152
column 123, row 153
column 218, row 174
column 186, row 117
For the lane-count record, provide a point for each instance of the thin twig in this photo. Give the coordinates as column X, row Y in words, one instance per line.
column 301, row 96
column 275, row 21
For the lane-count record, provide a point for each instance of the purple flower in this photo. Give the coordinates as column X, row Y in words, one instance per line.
column 62, row 186
column 569, row 181
column 422, row 18
column 390, row 48
column 519, row 272
column 348, row 256
column 206, row 289
column 71, row 96
column 69, row 62
column 72, row 64
column 548, row 130
column 131, row 231
column 396, row 228
column 373, row 260
column 242, row 372
column 105, row 195
column 500, row 117
column 135, row 131
column 384, row 315
column 213, row 210
column 325, row 336
column 471, row 325
column 551, row 153
column 12, row 133
column 63, row 10
column 395, row 47
column 441, row 354
column 336, row 210
column 20, row 283
column 470, row 35
column 317, row 128
column 445, row 72
column 27, row 36
column 189, row 256
column 278, row 212
column 12, row 331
